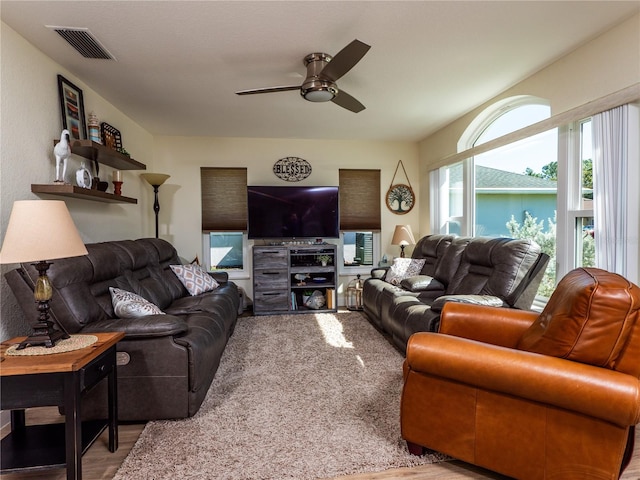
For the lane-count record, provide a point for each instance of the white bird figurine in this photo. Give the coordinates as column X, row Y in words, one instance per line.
column 62, row 151
column 301, row 277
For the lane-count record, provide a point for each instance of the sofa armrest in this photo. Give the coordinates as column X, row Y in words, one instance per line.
column 422, row 283
column 485, row 300
column 379, row 272
column 562, row 383
column 141, row 327
column 498, row 326
column 220, row 277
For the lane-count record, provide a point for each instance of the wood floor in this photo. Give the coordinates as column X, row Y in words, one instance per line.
column 99, row 464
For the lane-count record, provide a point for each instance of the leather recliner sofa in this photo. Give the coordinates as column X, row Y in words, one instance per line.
column 550, row 396
column 501, row 272
column 166, row 363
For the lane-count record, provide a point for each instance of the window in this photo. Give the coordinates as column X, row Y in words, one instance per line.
column 226, row 250
column 359, row 220
column 357, row 249
column 224, row 220
column 507, row 191
column 581, row 240
column 578, row 231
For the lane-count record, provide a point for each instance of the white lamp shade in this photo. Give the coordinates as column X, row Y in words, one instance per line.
column 403, row 235
column 40, row 230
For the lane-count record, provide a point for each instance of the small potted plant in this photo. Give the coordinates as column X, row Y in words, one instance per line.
column 305, row 296
column 324, row 259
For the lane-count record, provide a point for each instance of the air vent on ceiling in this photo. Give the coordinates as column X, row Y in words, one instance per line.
column 83, row 41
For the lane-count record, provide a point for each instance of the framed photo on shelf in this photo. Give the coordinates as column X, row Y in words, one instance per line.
column 72, row 109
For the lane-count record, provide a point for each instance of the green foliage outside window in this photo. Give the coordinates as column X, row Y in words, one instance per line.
column 533, row 229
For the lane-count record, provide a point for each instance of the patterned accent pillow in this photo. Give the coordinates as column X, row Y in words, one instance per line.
column 130, row 305
column 404, row 268
column 194, row 278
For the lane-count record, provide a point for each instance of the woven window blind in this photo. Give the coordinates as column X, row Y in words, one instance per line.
column 224, row 199
column 359, row 199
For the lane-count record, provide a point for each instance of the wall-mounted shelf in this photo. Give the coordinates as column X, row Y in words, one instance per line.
column 104, row 155
column 99, row 154
column 79, row 192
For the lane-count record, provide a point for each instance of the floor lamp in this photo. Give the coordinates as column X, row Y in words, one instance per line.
column 155, row 180
column 38, row 231
column 403, row 236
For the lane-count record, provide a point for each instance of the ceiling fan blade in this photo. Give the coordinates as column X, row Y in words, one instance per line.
column 268, row 90
column 347, row 101
column 344, row 60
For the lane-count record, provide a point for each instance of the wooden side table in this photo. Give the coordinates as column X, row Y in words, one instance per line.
column 57, row 379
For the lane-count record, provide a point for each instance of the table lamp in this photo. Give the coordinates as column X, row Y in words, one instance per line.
column 38, row 231
column 155, row 180
column 403, row 236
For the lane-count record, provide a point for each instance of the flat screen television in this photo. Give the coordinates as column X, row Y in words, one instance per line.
column 293, row 212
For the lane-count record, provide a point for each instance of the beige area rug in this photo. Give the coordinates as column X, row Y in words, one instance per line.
column 296, row 397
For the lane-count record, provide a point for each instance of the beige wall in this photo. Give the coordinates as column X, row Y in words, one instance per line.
column 182, row 157
column 604, row 65
column 30, row 121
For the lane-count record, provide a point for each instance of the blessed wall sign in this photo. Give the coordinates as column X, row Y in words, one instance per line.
column 292, row 169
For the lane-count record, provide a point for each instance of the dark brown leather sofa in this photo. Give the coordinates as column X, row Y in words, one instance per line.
column 501, row 272
column 166, row 363
column 550, row 396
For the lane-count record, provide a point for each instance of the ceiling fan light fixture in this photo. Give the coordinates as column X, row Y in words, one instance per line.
column 319, row 95
column 319, row 91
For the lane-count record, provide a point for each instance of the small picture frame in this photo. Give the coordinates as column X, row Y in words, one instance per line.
column 72, row 109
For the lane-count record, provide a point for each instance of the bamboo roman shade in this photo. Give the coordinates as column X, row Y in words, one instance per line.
column 359, row 199
column 224, row 199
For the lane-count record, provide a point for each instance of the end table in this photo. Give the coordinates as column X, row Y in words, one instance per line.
column 58, row 379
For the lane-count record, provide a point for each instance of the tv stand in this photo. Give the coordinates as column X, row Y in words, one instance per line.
column 286, row 273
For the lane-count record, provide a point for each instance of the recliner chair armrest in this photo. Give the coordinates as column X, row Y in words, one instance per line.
column 568, row 385
column 141, row 327
column 495, row 325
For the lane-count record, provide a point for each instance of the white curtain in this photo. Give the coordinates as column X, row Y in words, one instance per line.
column 610, row 172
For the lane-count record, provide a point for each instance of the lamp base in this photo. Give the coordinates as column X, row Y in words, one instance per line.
column 43, row 335
column 401, row 251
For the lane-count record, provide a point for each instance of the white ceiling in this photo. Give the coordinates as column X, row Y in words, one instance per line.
column 180, row 62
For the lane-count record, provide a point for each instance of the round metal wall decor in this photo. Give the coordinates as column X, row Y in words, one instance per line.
column 292, row 169
column 400, row 198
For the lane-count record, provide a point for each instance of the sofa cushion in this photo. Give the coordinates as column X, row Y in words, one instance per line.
column 494, row 266
column 431, row 248
column 403, row 268
column 194, row 278
column 130, row 305
column 588, row 322
column 421, row 283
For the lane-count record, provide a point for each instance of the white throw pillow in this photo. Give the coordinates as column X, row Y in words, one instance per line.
column 404, row 268
column 130, row 305
column 194, row 278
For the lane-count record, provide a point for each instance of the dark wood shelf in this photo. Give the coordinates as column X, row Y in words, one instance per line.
column 79, row 192
column 104, row 155
column 48, row 441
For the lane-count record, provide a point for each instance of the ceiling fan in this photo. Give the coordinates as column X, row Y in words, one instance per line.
column 323, row 71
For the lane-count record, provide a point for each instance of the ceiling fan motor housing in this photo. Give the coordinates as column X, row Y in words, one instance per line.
column 315, row 88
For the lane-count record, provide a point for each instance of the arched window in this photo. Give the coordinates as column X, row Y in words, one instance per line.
column 509, row 191
column 504, row 116
column 511, row 177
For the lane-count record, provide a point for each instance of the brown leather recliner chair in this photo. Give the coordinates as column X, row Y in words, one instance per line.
column 532, row 396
